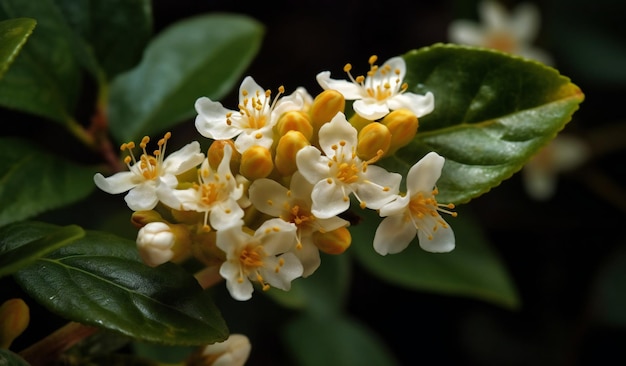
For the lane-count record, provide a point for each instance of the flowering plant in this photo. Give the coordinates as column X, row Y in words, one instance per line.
column 286, row 184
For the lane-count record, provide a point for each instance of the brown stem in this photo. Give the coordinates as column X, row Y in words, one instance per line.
column 208, row 276
column 99, row 131
column 50, row 348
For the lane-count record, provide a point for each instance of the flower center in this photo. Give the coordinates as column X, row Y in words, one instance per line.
column 381, row 83
column 502, row 41
column 257, row 109
column 148, row 166
column 346, row 170
column 425, row 210
column 251, row 257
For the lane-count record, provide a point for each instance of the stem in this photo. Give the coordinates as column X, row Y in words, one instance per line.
column 208, row 276
column 50, row 348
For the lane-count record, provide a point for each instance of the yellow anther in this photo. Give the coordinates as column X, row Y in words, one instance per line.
column 372, row 59
column 281, row 89
column 360, row 79
column 347, row 68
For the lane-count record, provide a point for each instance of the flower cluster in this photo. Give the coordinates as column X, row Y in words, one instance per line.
column 280, row 172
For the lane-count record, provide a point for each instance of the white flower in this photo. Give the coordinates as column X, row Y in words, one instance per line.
column 340, row 172
column 416, row 213
column 263, row 257
column 252, row 124
column 563, row 153
column 380, row 91
column 234, row 351
column 512, row 33
column 294, row 205
column 148, row 172
column 155, row 242
column 216, row 194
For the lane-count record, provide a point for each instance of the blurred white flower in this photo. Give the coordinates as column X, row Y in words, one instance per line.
column 512, row 33
column 234, row 351
column 562, row 154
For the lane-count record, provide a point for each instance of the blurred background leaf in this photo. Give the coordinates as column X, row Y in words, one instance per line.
column 13, row 35
column 201, row 56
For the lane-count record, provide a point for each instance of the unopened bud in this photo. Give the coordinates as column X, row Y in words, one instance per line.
column 215, row 155
column 256, row 162
column 359, row 122
column 295, row 121
column 403, row 125
column 333, row 242
column 234, row 351
column 14, row 318
column 141, row 218
column 325, row 106
column 372, row 139
column 159, row 242
column 286, row 150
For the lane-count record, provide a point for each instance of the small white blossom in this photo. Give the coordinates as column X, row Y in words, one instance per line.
column 252, row 124
column 562, row 154
column 381, row 91
column 340, row 172
column 155, row 242
column 294, row 205
column 216, row 194
column 148, row 172
column 416, row 213
column 234, row 351
column 512, row 33
column 264, row 257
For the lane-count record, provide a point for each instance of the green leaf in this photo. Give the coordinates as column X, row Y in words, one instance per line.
column 33, row 181
column 472, row 269
column 45, row 78
column 30, row 250
column 492, row 113
column 11, row 359
column 201, row 56
column 128, row 25
column 323, row 293
column 13, row 35
column 99, row 281
column 334, row 341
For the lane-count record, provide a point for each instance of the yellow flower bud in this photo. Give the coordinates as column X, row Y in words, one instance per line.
column 373, row 138
column 295, row 121
column 256, row 162
column 333, row 242
column 325, row 106
column 403, row 125
column 286, row 150
column 216, row 154
column 14, row 318
column 359, row 122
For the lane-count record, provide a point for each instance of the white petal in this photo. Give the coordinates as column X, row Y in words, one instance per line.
column 423, row 176
column 268, row 196
column 568, row 152
column 370, row 108
column 395, row 63
column 525, row 22
column 338, row 129
column 442, row 241
column 493, row 15
column 143, row 197
column 189, row 156
column 117, row 183
column 373, row 195
column 238, row 290
column 348, row 89
column 312, row 165
column 300, row 187
column 225, row 215
column 252, row 88
column 309, row 256
column 420, row 105
column 540, row 184
column 261, row 137
column 329, row 199
column 290, row 270
column 467, row 33
column 395, row 207
column 393, row 235
column 211, row 120
column 277, row 236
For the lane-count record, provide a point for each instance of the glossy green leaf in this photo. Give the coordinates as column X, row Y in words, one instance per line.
column 201, row 56
column 13, row 35
column 99, row 280
column 28, row 251
column 324, row 292
column 114, row 31
column 492, row 113
column 11, row 359
column 45, row 78
column 472, row 269
column 337, row 340
column 33, row 181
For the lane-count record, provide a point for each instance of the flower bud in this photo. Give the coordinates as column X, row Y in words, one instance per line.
column 333, row 242
column 403, row 125
column 215, row 155
column 286, row 150
column 234, row 351
column 373, row 138
column 359, row 122
column 141, row 218
column 295, row 121
column 325, row 106
column 159, row 242
column 256, row 162
column 14, row 318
